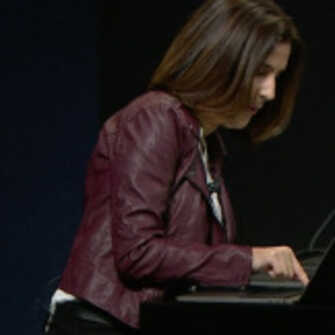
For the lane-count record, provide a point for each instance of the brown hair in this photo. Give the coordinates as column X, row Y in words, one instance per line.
column 211, row 63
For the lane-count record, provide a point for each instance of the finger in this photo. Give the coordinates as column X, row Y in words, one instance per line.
column 300, row 273
column 281, row 267
column 290, row 264
column 271, row 273
column 283, row 264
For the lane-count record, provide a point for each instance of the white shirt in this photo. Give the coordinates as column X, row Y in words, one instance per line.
column 216, row 207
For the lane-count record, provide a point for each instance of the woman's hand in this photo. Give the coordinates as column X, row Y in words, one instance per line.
column 278, row 262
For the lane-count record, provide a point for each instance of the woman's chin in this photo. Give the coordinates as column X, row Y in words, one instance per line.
column 238, row 123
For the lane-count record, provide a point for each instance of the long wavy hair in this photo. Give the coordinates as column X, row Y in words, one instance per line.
column 211, row 63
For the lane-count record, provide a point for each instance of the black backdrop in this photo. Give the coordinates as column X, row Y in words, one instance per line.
column 283, row 192
column 55, row 94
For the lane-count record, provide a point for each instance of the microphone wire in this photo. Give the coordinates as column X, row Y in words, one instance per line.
column 320, row 230
column 311, row 247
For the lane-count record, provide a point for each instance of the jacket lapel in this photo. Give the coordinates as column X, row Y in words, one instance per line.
column 196, row 175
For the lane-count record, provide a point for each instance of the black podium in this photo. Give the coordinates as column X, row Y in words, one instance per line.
column 222, row 318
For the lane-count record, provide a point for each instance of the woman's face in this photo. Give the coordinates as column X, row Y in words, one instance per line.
column 263, row 86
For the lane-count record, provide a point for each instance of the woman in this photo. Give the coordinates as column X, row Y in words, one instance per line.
column 157, row 214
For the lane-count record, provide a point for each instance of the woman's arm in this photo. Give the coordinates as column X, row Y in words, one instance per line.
column 143, row 166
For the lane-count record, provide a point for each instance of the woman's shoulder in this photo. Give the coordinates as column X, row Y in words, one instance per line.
column 155, row 105
column 156, row 102
column 152, row 99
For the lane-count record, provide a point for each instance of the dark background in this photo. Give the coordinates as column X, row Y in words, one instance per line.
column 65, row 66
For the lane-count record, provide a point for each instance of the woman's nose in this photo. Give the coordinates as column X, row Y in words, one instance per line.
column 268, row 88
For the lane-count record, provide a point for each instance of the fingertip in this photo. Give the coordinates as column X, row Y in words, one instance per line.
column 305, row 280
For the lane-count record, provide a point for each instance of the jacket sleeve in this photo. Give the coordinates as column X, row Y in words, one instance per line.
column 143, row 167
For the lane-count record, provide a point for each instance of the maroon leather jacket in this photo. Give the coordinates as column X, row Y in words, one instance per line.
column 146, row 224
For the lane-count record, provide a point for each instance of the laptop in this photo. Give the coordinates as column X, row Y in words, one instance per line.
column 319, row 291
